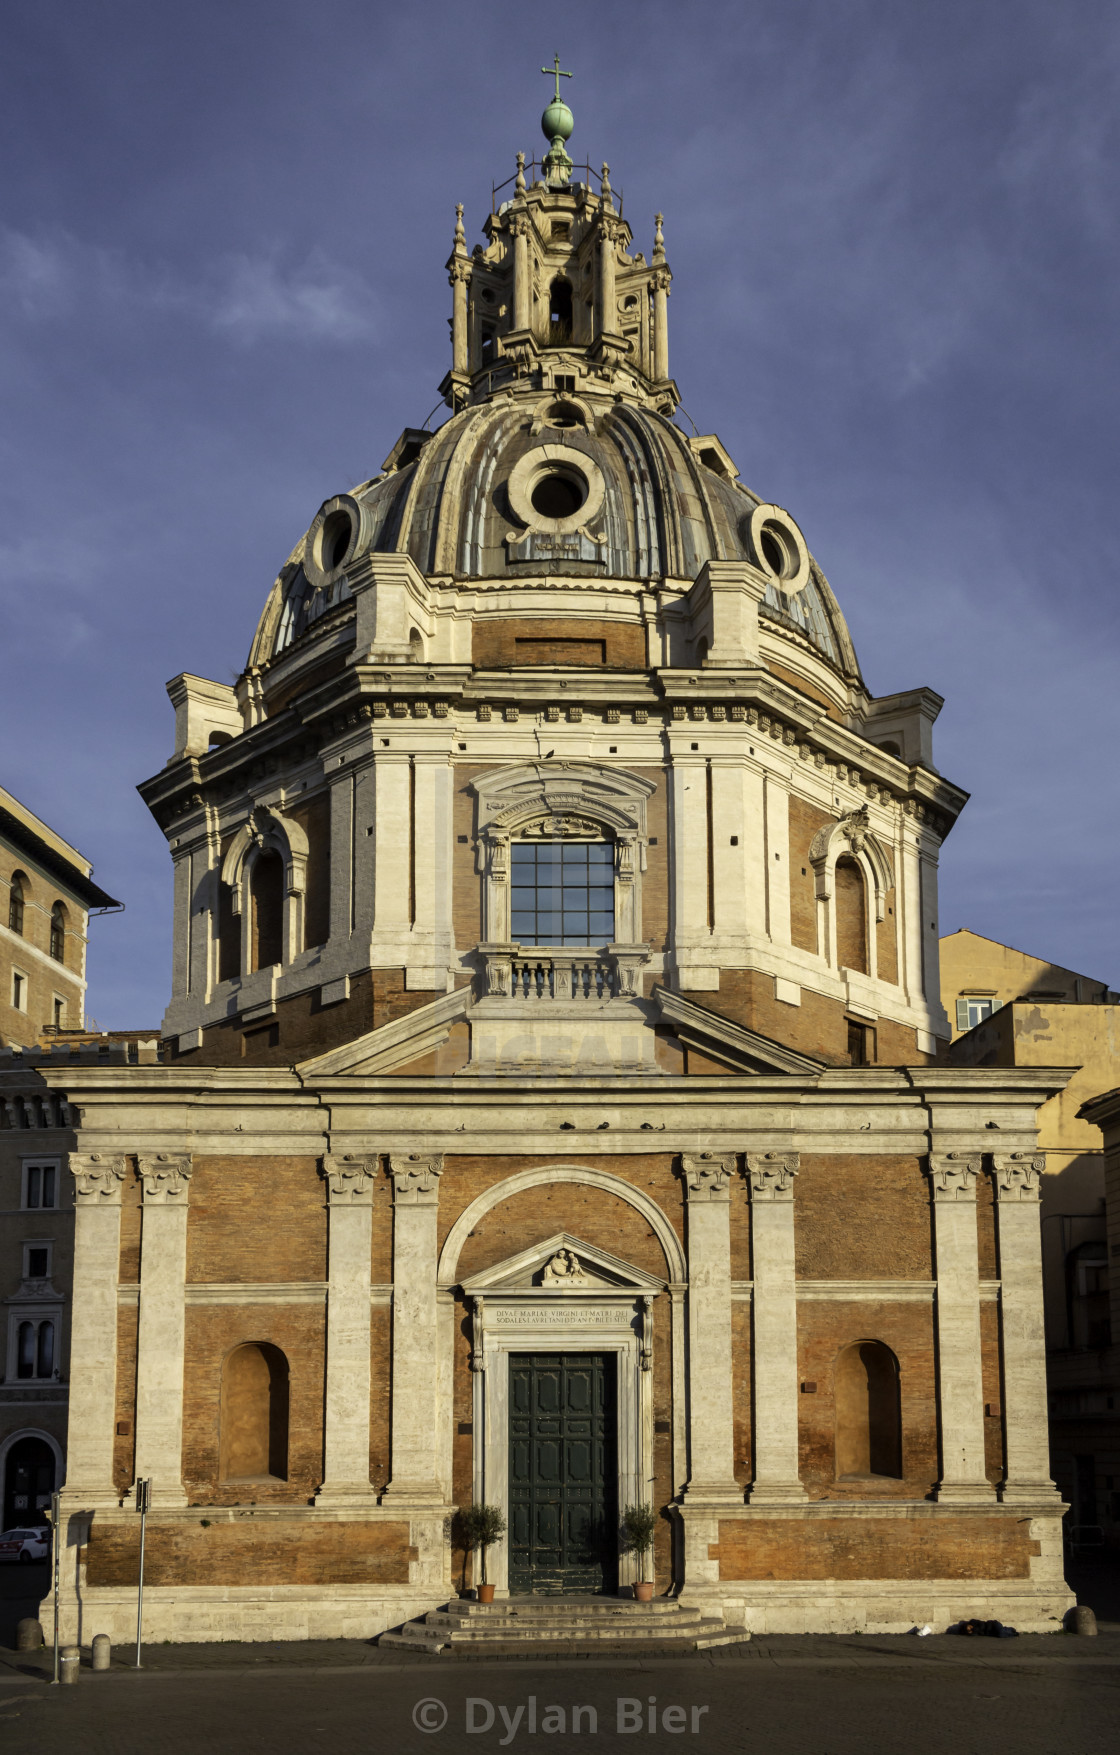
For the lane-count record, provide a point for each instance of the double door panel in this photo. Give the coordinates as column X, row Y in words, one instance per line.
column 563, row 1470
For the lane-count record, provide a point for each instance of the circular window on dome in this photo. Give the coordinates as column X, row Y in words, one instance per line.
column 332, row 539
column 556, row 489
column 778, row 548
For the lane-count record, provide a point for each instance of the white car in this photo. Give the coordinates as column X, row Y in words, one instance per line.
column 25, row 1544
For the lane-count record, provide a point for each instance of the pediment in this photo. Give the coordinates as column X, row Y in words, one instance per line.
column 393, row 1044
column 542, row 1269
column 740, row 1049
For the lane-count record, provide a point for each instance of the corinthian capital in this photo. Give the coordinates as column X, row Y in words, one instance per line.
column 771, row 1174
column 953, row 1175
column 1018, row 1175
column 97, row 1178
column 707, row 1175
column 349, row 1178
column 416, row 1178
column 165, row 1176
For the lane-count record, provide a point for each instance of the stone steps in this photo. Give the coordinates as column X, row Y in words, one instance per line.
column 555, row 1626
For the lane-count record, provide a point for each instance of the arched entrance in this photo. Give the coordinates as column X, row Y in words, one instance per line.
column 29, row 1481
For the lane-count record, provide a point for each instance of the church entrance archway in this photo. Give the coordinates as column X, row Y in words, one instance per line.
column 563, row 1474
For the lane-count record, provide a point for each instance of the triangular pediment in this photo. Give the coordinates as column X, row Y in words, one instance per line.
column 394, row 1044
column 547, row 1267
column 738, row 1048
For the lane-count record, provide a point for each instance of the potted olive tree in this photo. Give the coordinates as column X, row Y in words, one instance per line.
column 481, row 1526
column 638, row 1524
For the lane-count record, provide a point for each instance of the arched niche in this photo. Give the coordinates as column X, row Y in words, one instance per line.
column 253, row 1423
column 868, row 1412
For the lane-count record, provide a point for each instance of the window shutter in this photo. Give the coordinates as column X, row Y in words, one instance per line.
column 962, row 1014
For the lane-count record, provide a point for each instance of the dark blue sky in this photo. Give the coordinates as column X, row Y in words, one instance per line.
column 894, row 238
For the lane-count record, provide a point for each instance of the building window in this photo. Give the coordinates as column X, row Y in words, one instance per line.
column 266, row 900
column 58, row 933
column 36, row 1261
column 868, row 1414
column 972, row 1011
column 562, row 893
column 861, row 1044
column 19, row 990
column 254, row 1415
column 35, row 1350
column 560, row 312
column 851, row 917
column 59, row 1011
column 40, row 1186
column 1088, row 1297
column 16, row 895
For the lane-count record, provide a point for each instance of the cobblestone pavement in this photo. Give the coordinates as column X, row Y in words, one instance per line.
column 790, row 1696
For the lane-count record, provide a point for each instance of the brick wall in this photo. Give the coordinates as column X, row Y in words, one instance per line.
column 235, row 1554
column 528, row 1218
column 805, row 821
column 257, row 1219
column 935, row 1547
column 503, row 643
column 862, row 1218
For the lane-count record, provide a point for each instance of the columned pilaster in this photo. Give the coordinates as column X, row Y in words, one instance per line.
column 93, row 1340
column 349, row 1178
column 960, row 1393
column 1018, row 1176
column 707, row 1178
column 777, row 1478
column 161, row 1336
column 415, row 1439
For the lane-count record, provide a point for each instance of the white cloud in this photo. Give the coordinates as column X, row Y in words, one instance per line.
column 247, row 298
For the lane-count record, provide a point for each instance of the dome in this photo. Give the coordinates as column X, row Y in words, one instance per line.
column 539, row 486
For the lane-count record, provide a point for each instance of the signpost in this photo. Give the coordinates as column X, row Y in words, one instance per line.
column 143, row 1500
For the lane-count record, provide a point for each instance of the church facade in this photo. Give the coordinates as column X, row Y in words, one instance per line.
column 553, row 1112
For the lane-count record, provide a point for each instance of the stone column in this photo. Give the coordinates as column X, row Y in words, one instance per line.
column 93, row 1339
column 1018, row 1176
column 161, row 1335
column 960, row 1393
column 415, row 1440
column 460, row 278
column 608, row 314
column 711, row 1475
column 522, row 307
column 349, row 1179
column 659, row 281
column 777, row 1475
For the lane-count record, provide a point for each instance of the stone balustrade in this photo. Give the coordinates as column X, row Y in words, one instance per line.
column 560, row 972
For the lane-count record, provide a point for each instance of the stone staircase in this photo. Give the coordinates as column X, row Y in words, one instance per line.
column 564, row 1627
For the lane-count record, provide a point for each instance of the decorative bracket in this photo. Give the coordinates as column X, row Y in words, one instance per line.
column 707, row 1175
column 166, row 1178
column 1018, row 1175
column 416, row 1178
column 97, row 1178
column 349, row 1178
column 953, row 1175
column 771, row 1175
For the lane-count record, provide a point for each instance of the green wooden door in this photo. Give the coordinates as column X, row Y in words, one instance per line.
column 563, row 1469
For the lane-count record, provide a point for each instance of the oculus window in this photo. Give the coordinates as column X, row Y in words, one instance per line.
column 562, row 893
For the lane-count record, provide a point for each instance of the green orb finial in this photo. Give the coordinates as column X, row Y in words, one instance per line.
column 556, row 125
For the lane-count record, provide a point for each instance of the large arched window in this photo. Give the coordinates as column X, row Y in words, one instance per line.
column 254, row 1414
column 16, row 896
column 868, row 1413
column 58, row 933
column 851, row 917
column 560, row 312
column 266, row 895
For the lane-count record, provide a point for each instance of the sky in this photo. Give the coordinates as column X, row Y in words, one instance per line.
column 894, row 239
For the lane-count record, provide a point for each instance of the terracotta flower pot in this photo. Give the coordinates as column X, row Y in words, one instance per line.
column 486, row 1593
column 644, row 1591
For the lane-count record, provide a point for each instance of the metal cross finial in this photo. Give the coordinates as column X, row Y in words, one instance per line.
column 558, row 73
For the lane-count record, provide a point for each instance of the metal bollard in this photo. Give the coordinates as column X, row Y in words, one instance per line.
column 102, row 1652
column 69, row 1659
column 29, row 1635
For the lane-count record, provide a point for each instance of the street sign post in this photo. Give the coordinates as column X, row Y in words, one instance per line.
column 143, row 1500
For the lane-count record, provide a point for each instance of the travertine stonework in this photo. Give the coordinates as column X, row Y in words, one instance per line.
column 394, row 1145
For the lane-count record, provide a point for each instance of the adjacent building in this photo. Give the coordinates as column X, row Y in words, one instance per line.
column 555, row 1111
column 1014, row 1010
column 47, row 894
